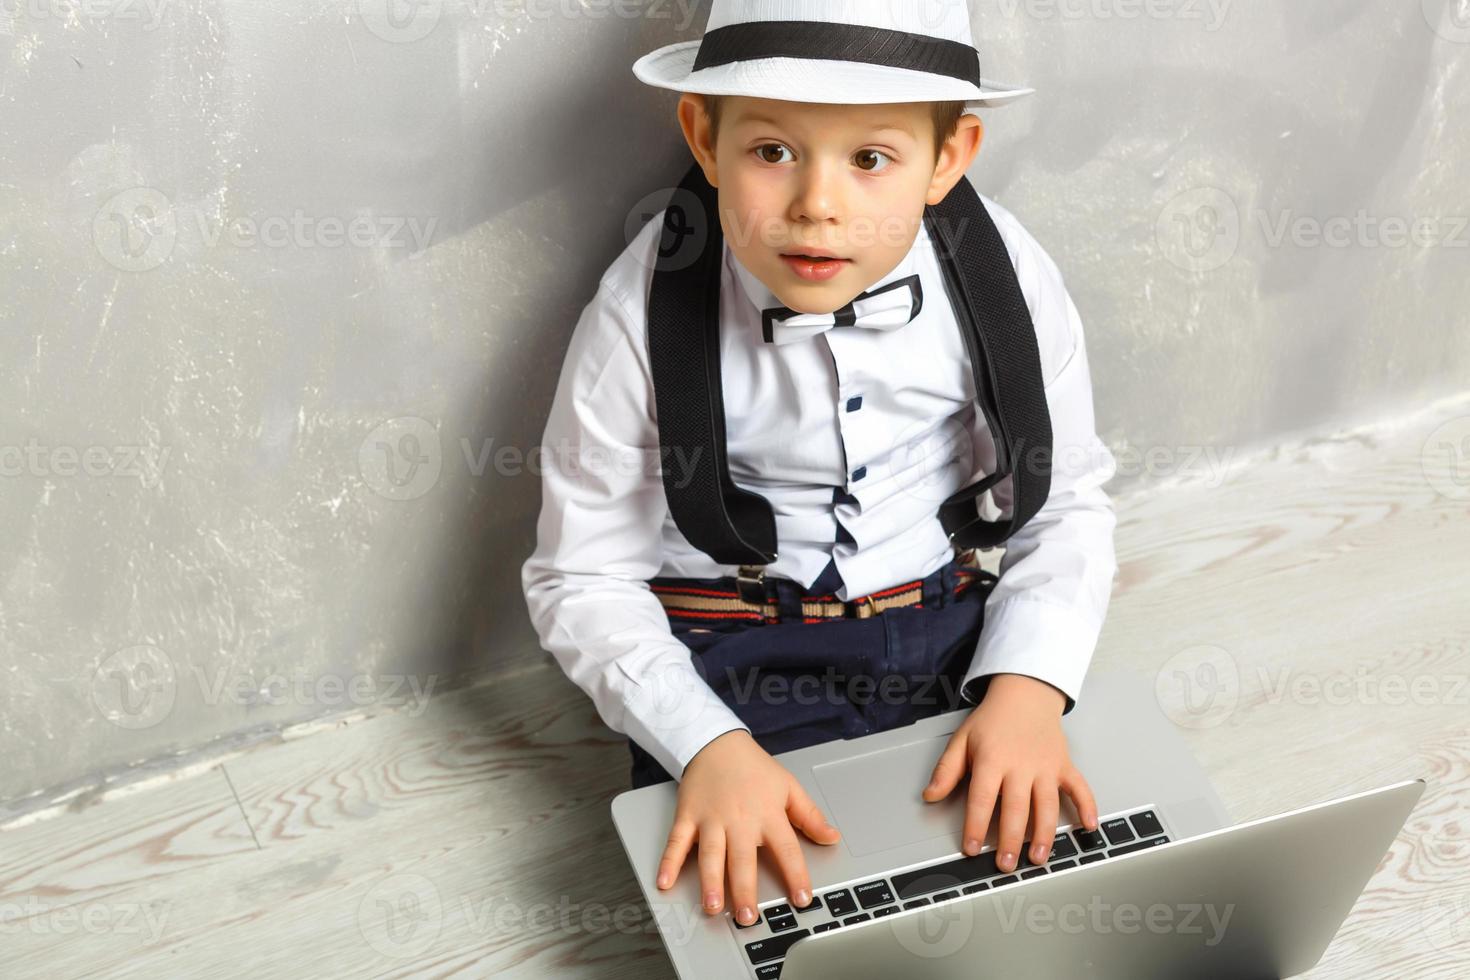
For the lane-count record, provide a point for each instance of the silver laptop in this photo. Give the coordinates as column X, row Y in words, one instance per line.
column 1165, row 887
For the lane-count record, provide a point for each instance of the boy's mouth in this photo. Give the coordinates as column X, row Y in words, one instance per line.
column 812, row 266
column 812, row 256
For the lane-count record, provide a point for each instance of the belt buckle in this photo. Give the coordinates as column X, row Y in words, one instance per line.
column 750, row 582
column 862, row 607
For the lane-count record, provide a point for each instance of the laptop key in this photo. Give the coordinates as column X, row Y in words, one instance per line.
column 765, row 950
column 1033, row 873
column 853, row 920
column 746, row 925
column 979, row 886
column 816, row 903
column 780, row 923
column 1089, row 858
column 775, row 911
column 873, row 893
column 1062, row 847
column 946, row 896
column 1146, row 823
column 826, row 927
column 915, row 903
column 840, row 903
column 1142, row 845
column 1063, row 865
column 1089, row 840
column 1008, row 879
column 1117, row 830
column 914, row 883
column 886, row 910
column 771, row 971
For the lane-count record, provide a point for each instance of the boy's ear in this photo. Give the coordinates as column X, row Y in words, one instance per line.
column 694, row 121
column 956, row 156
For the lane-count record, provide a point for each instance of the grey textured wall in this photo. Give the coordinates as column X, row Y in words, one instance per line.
column 286, row 286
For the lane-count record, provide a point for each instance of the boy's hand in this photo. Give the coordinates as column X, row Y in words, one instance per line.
column 1013, row 747
column 733, row 798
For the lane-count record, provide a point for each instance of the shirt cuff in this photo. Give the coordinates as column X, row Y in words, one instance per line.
column 1049, row 642
column 672, row 713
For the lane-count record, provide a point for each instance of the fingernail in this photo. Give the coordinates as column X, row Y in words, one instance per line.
column 711, row 900
column 745, row 915
column 1007, row 861
column 663, row 879
column 803, row 898
column 972, row 847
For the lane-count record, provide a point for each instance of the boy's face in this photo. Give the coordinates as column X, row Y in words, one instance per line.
column 801, row 179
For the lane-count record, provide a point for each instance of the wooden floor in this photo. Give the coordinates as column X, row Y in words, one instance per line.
column 1308, row 618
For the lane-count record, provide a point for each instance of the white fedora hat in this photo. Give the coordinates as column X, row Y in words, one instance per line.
column 856, row 51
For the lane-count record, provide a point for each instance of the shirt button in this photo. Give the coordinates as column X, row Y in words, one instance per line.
column 860, row 472
column 853, row 404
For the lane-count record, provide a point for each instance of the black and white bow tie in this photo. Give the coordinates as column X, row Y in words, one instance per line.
column 886, row 308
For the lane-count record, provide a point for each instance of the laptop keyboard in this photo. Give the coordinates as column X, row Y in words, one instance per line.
column 779, row 924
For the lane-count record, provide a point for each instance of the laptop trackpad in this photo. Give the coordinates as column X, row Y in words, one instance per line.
column 875, row 799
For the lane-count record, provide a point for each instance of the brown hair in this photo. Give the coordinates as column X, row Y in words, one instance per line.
column 946, row 116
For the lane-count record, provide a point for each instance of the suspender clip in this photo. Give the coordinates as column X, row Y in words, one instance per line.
column 751, row 583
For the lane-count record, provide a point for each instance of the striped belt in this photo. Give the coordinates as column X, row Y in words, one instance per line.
column 697, row 602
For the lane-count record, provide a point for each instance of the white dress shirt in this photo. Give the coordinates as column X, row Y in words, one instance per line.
column 888, row 416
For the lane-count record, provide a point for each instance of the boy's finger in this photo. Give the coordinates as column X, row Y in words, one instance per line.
column 1045, row 802
column 1076, row 787
column 948, row 770
column 1015, row 807
column 803, row 813
column 740, row 859
column 979, row 807
column 680, row 838
column 711, row 867
column 786, row 849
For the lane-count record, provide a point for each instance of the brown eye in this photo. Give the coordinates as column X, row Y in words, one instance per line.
column 869, row 160
column 765, row 149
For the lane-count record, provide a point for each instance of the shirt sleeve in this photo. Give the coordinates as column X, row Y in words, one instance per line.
column 1043, row 617
column 599, row 539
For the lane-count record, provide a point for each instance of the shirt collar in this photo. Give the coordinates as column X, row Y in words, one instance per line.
column 763, row 298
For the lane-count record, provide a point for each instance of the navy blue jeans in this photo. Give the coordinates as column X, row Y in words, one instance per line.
column 800, row 683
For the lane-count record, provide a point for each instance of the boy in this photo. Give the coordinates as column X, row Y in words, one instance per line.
column 850, row 406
